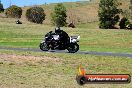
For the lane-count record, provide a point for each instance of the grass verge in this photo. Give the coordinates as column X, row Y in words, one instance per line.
column 59, row 72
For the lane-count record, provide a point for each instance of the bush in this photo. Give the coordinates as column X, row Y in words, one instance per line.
column 59, row 15
column 35, row 14
column 125, row 24
column 1, row 8
column 122, row 23
column 130, row 27
column 13, row 11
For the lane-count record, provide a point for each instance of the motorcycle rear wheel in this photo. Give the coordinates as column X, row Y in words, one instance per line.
column 73, row 47
column 44, row 47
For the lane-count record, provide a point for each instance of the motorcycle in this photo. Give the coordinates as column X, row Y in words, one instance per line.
column 53, row 42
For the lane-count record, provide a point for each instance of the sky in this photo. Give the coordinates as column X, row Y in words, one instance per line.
column 21, row 3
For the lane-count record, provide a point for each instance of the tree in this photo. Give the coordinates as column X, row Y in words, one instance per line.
column 13, row 11
column 35, row 14
column 108, row 13
column 58, row 17
column 1, row 7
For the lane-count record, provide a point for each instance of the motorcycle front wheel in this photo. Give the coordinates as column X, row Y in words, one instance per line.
column 44, row 47
column 73, row 47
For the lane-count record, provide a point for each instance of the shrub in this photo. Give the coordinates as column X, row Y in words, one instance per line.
column 130, row 26
column 1, row 8
column 123, row 22
column 35, row 14
column 59, row 15
column 13, row 11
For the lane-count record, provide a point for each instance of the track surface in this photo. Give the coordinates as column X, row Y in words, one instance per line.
column 79, row 52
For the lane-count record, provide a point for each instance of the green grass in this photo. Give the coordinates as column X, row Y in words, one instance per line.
column 61, row 73
column 90, row 25
column 30, row 35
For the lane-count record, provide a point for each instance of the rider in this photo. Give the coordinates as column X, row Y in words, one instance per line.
column 64, row 38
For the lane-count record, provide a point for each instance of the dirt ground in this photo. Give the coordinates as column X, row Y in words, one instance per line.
column 26, row 58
